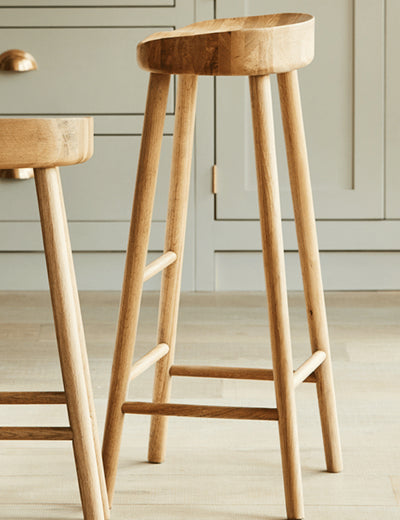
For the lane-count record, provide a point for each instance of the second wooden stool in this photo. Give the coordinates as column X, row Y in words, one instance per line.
column 255, row 47
column 44, row 145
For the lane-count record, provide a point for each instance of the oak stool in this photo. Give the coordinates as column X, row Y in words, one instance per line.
column 44, row 145
column 256, row 47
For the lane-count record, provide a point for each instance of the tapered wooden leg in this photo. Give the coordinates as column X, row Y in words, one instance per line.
column 62, row 290
column 86, row 368
column 174, row 241
column 134, row 269
column 310, row 264
column 271, row 230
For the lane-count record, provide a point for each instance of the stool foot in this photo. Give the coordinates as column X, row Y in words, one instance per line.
column 134, row 271
column 174, row 241
column 310, row 263
column 274, row 266
column 65, row 311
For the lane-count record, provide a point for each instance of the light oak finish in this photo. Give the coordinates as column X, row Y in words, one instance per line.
column 250, row 46
column 210, row 412
column 32, row 398
column 157, row 265
column 308, row 367
column 36, row 433
column 255, row 374
column 148, row 360
column 274, row 268
column 256, row 47
column 134, row 271
column 45, row 143
column 85, row 363
column 174, row 241
column 300, row 184
column 64, row 303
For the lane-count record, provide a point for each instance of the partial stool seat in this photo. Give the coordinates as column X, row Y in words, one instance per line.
column 251, row 46
column 256, row 47
column 44, row 145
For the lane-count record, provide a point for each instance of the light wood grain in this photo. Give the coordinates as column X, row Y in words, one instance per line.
column 274, row 268
column 309, row 258
column 211, row 412
column 134, row 271
column 255, row 374
column 174, row 241
column 308, row 367
column 85, row 362
column 258, row 374
column 157, row 265
column 65, row 312
column 148, row 360
column 253, row 45
column 32, row 398
column 35, row 433
column 45, row 143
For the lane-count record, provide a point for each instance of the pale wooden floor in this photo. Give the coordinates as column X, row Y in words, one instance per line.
column 215, row 469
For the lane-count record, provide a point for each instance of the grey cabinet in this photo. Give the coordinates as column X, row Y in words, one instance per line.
column 351, row 104
column 87, row 65
column 86, row 55
column 341, row 98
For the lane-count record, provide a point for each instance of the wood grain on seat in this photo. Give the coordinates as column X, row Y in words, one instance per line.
column 250, row 46
column 45, row 143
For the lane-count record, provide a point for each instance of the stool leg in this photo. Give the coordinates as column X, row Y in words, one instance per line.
column 134, row 269
column 86, row 368
column 62, row 289
column 174, row 241
column 274, row 266
column 310, row 264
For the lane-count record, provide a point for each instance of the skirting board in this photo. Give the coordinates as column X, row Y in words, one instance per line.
column 243, row 271
column 234, row 271
column 101, row 271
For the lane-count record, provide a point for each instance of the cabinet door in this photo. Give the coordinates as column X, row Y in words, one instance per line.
column 393, row 111
column 343, row 104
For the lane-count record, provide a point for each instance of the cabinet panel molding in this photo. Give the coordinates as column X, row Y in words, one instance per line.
column 85, row 71
column 343, row 99
column 98, row 190
column 354, row 271
column 393, row 110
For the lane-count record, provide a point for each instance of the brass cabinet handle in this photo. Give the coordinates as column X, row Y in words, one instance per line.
column 18, row 174
column 15, row 60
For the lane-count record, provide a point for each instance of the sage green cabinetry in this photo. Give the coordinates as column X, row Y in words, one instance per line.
column 86, row 55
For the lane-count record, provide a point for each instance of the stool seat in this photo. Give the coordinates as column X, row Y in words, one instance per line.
column 45, row 143
column 250, row 46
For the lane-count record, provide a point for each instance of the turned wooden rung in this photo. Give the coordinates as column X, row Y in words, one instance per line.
column 35, row 433
column 259, row 374
column 308, row 367
column 158, row 265
column 191, row 410
column 32, row 398
column 148, row 360
column 255, row 374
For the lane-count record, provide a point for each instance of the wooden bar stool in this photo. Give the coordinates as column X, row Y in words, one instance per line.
column 255, row 47
column 44, row 145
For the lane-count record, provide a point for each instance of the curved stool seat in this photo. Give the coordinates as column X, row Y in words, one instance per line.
column 45, row 143
column 256, row 47
column 249, row 46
